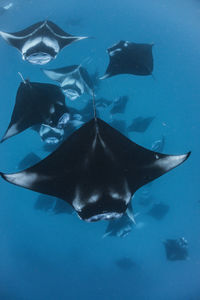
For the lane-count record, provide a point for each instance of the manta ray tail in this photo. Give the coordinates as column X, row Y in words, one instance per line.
column 130, row 213
column 21, row 76
column 94, row 105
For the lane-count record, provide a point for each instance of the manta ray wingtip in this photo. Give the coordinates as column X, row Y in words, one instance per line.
column 187, row 154
column 82, row 37
column 2, row 140
column 91, row 37
column 104, row 76
column 4, row 35
column 179, row 159
column 2, row 175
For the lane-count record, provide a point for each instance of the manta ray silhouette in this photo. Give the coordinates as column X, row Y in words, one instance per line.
column 129, row 58
column 140, row 124
column 36, row 103
column 96, row 170
column 41, row 42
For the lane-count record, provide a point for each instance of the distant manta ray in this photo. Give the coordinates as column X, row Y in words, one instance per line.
column 96, row 170
column 41, row 42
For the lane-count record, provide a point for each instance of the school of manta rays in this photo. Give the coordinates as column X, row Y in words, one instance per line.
column 94, row 167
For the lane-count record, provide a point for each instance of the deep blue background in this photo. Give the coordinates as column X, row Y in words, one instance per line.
column 46, row 256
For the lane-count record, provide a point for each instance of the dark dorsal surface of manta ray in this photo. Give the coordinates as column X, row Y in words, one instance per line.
column 36, row 103
column 140, row 124
column 96, row 170
column 158, row 211
column 119, row 105
column 120, row 125
column 41, row 42
column 74, row 80
column 176, row 249
column 129, row 58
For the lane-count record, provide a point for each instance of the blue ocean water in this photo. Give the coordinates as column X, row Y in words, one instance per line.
column 47, row 256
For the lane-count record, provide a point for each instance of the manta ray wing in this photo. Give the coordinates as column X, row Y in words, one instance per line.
column 35, row 104
column 41, row 42
column 63, row 37
column 17, row 39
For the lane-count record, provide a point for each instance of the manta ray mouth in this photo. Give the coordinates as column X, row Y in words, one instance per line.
column 39, row 58
column 51, row 135
column 104, row 216
column 105, row 209
column 72, row 94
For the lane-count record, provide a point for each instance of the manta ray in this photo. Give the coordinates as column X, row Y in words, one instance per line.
column 176, row 249
column 140, row 124
column 36, row 103
column 96, row 170
column 74, row 80
column 41, row 42
column 158, row 211
column 119, row 105
column 119, row 227
column 129, row 58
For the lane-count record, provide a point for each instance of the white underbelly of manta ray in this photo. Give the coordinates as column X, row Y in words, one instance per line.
column 41, row 42
column 39, row 57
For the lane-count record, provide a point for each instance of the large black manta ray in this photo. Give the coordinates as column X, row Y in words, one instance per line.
column 41, row 42
column 129, row 58
column 36, row 103
column 96, row 170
